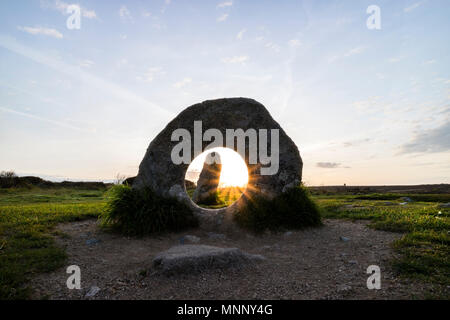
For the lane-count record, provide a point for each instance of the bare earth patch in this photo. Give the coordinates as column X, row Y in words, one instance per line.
column 309, row 264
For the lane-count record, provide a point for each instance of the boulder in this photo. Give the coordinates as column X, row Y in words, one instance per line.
column 209, row 179
column 166, row 178
column 189, row 184
column 197, row 258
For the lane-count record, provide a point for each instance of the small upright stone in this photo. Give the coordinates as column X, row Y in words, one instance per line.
column 209, row 178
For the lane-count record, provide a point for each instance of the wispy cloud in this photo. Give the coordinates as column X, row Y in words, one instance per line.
column 354, row 51
column 125, row 14
column 151, row 74
column 225, row 4
column 395, row 59
column 433, row 140
column 328, row 165
column 272, row 46
column 86, row 63
column 42, row 31
column 62, row 6
column 54, row 122
column 182, row 83
column 355, row 143
column 294, row 42
column 222, row 18
column 413, row 6
column 240, row 34
column 235, row 59
column 11, row 44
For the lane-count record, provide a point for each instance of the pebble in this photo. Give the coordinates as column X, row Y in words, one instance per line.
column 92, row 291
column 343, row 288
column 345, row 239
column 90, row 242
column 216, row 236
column 189, row 239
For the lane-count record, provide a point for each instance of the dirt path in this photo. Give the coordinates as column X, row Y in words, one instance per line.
column 310, row 264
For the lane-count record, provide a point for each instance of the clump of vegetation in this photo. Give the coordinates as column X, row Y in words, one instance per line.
column 7, row 179
column 213, row 199
column 140, row 212
column 293, row 209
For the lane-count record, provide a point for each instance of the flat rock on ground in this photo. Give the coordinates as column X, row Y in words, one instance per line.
column 196, row 258
column 308, row 264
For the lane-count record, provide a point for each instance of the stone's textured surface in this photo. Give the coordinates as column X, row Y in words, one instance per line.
column 165, row 178
column 189, row 184
column 445, row 205
column 209, row 178
column 129, row 181
column 196, row 258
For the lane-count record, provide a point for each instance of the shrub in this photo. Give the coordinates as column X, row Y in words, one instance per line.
column 8, row 179
column 293, row 209
column 139, row 212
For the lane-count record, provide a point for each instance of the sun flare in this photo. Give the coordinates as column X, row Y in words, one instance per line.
column 234, row 170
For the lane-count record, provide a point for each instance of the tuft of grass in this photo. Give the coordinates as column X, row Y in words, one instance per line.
column 213, row 199
column 224, row 197
column 293, row 209
column 139, row 212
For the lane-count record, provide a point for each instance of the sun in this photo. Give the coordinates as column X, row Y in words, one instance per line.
column 234, row 170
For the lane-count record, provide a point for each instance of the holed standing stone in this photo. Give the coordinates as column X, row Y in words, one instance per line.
column 165, row 178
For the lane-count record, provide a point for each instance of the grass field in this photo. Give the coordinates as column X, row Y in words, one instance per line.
column 425, row 246
column 28, row 217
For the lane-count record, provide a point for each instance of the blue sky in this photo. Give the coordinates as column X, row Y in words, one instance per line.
column 363, row 106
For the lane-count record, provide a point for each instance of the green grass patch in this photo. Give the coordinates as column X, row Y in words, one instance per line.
column 50, row 195
column 26, row 244
column 293, row 209
column 414, row 197
column 140, row 212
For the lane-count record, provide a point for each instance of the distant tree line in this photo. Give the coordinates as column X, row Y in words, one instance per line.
column 9, row 179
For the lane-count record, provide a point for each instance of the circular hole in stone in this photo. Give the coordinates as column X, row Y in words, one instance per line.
column 216, row 178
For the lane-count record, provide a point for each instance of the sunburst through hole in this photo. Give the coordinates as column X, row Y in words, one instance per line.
column 224, row 191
